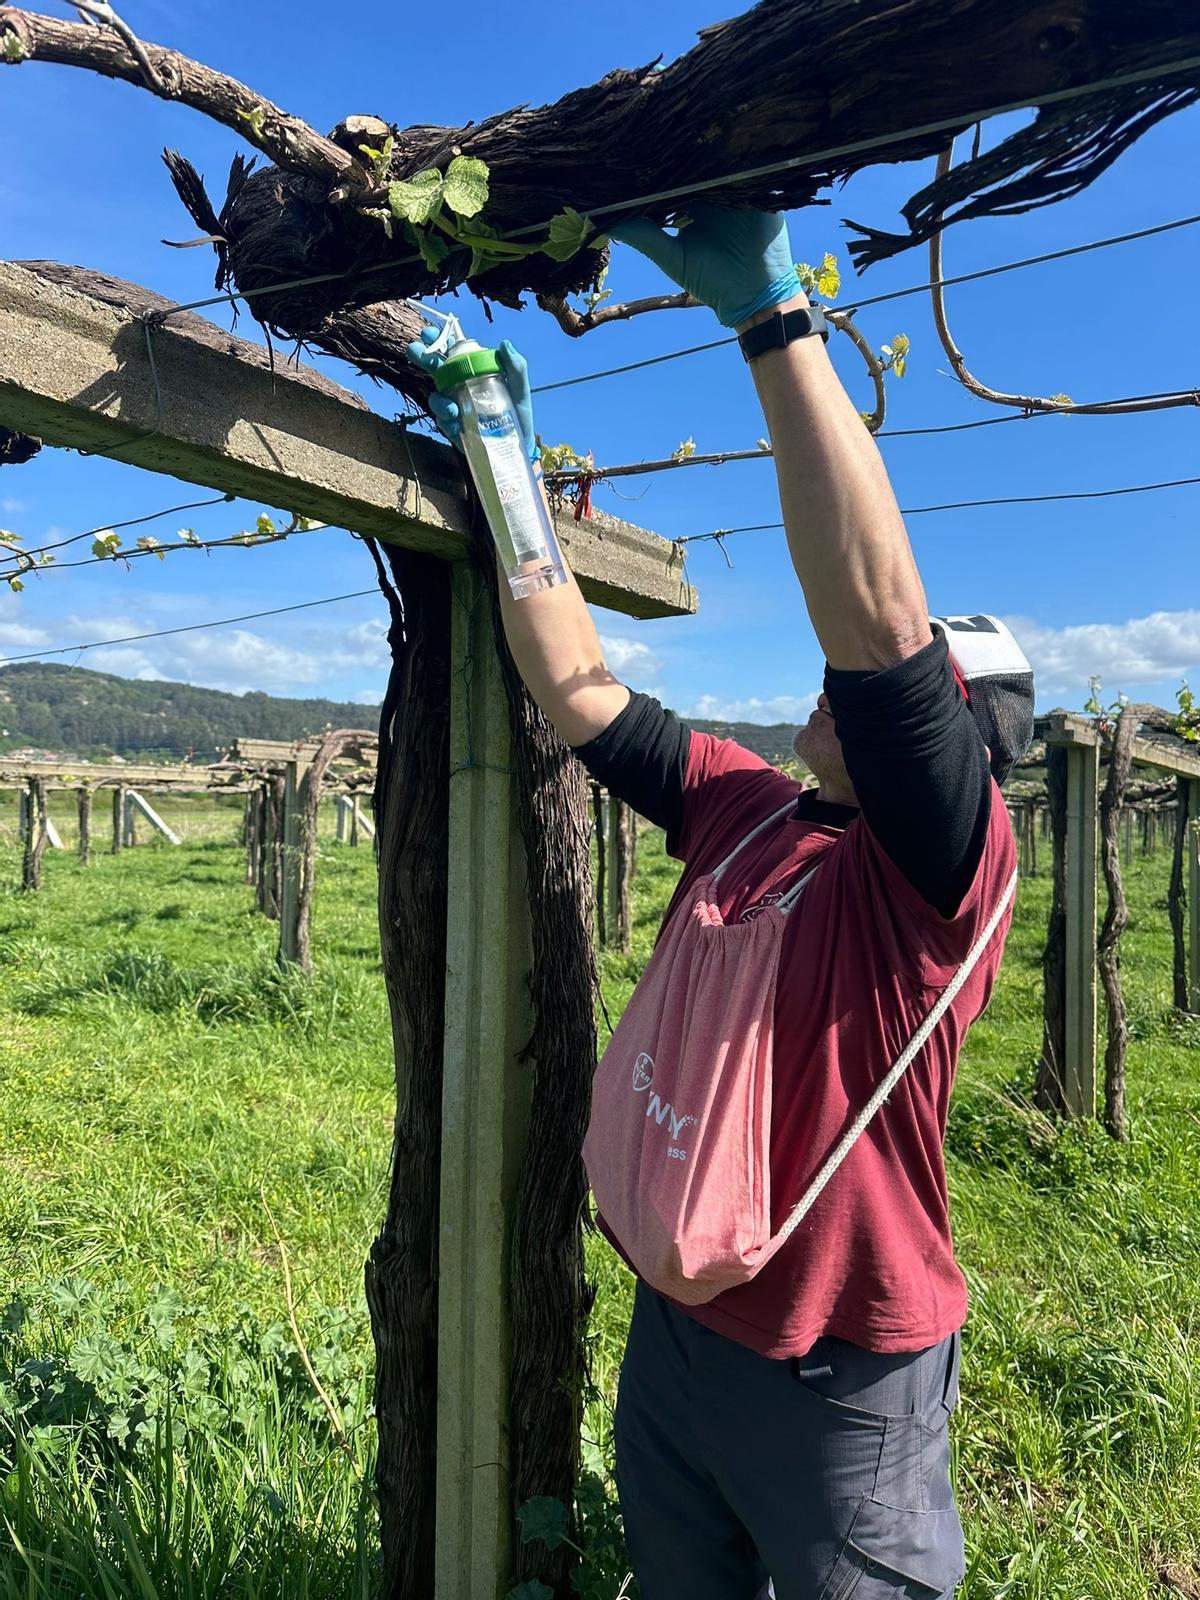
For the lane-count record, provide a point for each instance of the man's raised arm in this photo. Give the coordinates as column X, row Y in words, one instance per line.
column 844, row 529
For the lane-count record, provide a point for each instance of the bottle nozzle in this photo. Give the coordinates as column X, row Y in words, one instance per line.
column 451, row 333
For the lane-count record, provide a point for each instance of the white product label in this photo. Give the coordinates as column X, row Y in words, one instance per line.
column 510, row 473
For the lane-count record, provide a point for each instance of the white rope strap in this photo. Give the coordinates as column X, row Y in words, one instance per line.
column 903, row 1062
column 753, row 834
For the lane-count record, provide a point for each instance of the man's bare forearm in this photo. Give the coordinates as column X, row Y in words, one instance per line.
column 558, row 654
column 844, row 528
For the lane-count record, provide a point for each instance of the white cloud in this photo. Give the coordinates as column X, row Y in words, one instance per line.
column 16, row 636
column 236, row 659
column 13, row 507
column 123, row 661
column 363, row 645
column 367, row 697
column 630, row 658
column 794, row 708
column 1166, row 644
column 102, row 627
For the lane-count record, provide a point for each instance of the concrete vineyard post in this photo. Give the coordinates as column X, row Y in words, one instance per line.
column 484, row 1110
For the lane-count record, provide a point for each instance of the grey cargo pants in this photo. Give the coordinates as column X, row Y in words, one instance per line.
column 826, row 1476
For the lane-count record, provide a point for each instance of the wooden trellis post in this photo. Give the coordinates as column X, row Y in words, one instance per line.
column 620, row 866
column 118, row 819
column 599, row 832
column 251, row 823
column 1079, row 740
column 1083, row 790
column 289, row 865
column 128, row 819
column 36, row 834
column 83, row 800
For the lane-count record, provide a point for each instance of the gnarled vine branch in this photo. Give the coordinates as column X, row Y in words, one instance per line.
column 1024, row 402
column 115, row 53
column 841, row 320
column 577, row 323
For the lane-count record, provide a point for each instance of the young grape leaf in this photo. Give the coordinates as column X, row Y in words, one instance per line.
column 15, row 585
column 824, row 280
column 416, row 199
column 380, row 159
column 434, row 249
column 465, row 186
column 255, row 119
column 543, row 1518
column 384, row 218
column 829, row 279
column 569, row 232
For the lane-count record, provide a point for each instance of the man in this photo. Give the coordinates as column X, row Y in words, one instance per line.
column 793, row 1429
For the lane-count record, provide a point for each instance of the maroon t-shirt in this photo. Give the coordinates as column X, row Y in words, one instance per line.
column 863, row 959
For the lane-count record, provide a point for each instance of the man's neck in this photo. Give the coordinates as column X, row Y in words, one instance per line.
column 837, row 794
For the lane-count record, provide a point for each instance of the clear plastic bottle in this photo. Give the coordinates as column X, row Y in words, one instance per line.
column 503, row 474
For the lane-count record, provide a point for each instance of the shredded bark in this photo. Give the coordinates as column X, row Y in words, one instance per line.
column 411, row 806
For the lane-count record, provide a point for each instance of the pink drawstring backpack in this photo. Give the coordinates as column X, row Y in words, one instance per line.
column 678, row 1146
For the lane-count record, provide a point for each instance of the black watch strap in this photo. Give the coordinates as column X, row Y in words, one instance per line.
column 781, row 329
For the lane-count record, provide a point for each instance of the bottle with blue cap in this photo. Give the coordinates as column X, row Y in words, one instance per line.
column 503, row 474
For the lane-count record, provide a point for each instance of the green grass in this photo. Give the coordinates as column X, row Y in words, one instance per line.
column 163, row 1085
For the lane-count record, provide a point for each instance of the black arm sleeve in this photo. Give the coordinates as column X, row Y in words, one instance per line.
column 919, row 768
column 641, row 757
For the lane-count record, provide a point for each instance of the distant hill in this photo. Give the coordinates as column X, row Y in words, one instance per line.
column 94, row 714
column 70, row 710
column 773, row 741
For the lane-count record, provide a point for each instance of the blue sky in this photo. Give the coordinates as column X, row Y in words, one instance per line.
column 1108, row 586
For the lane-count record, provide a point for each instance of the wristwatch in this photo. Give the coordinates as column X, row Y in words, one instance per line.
column 781, row 329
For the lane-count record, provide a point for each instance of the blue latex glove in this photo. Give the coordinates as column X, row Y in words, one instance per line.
column 516, row 376
column 737, row 262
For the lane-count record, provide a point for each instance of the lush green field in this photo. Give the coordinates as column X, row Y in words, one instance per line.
column 166, row 1094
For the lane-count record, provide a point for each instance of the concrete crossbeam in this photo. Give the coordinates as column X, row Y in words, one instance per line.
column 186, row 398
